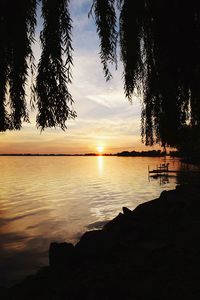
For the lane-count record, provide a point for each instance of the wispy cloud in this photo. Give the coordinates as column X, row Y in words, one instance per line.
column 104, row 114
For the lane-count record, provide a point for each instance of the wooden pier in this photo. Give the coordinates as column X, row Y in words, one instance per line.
column 164, row 174
column 163, row 169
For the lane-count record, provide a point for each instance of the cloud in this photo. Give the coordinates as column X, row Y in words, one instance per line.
column 103, row 111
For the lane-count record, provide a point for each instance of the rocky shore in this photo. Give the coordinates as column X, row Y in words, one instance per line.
column 152, row 252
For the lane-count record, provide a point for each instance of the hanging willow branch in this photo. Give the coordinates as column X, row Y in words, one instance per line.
column 17, row 27
column 130, row 43
column 105, row 19
column 160, row 44
column 4, row 121
column 16, row 35
column 53, row 97
column 159, row 47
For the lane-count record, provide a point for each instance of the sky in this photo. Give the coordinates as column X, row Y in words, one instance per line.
column 105, row 118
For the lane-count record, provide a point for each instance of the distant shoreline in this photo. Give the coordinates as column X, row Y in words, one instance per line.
column 152, row 153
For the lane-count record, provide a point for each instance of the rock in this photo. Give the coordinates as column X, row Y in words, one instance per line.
column 61, row 255
column 151, row 253
column 3, row 292
column 127, row 211
column 96, row 243
column 115, row 224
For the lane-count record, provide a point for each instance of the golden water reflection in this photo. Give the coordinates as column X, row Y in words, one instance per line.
column 45, row 199
column 100, row 160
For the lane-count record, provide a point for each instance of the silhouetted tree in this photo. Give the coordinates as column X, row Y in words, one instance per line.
column 50, row 92
column 159, row 47
column 188, row 143
column 159, row 42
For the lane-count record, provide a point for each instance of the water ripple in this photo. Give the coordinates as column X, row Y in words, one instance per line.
column 44, row 199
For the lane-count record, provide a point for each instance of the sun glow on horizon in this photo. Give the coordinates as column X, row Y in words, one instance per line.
column 100, row 149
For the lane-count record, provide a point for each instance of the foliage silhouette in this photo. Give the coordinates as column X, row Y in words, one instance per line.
column 159, row 46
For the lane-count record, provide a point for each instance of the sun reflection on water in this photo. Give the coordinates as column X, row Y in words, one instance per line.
column 45, row 199
column 100, row 160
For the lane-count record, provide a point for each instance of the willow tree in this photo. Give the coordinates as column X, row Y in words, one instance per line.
column 50, row 89
column 159, row 45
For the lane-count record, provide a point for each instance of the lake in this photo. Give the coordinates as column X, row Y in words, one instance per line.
column 45, row 199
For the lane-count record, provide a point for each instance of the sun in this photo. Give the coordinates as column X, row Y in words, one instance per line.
column 100, row 149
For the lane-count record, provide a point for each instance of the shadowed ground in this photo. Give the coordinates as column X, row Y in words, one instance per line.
column 152, row 252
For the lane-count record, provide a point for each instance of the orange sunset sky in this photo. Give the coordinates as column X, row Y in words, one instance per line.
column 105, row 117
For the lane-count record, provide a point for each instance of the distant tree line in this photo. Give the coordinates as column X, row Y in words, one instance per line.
column 151, row 153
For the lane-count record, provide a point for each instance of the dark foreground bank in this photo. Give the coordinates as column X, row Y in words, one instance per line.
column 152, row 252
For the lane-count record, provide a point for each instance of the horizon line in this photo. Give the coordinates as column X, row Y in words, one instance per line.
column 121, row 153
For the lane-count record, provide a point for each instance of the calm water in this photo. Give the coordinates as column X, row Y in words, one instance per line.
column 45, row 199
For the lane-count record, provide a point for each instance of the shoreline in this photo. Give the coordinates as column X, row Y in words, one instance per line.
column 151, row 252
column 148, row 153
